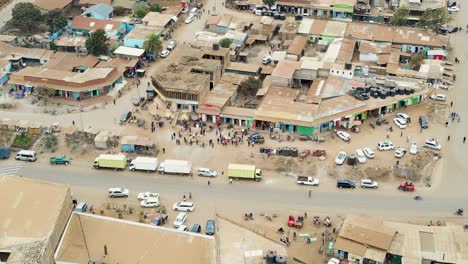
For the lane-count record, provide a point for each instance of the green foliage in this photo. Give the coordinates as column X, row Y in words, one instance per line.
column 269, row 2
column 26, row 17
column 155, row 8
column 141, row 11
column 119, row 11
column 22, row 141
column 55, row 20
column 153, row 44
column 417, row 59
column 225, row 42
column 434, row 19
column 250, row 86
column 400, row 17
column 53, row 46
column 42, row 94
column 96, row 43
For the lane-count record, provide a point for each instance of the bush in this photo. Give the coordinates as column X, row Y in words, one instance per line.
column 22, row 141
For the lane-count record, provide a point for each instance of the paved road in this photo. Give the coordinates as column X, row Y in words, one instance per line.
column 251, row 195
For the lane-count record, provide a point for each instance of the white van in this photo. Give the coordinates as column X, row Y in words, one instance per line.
column 26, row 155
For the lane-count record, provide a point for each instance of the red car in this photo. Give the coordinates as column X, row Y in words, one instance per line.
column 291, row 221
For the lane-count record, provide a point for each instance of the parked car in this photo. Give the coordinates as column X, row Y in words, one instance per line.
column 26, row 155
column 369, row 153
column 159, row 220
column 150, row 202
column 399, row 122
column 361, row 157
column 196, row 228
column 432, row 143
column 59, row 160
column 183, row 228
column 266, row 60
column 180, row 219
column 340, row 158
column 414, row 148
column 190, row 19
column 345, row 184
column 183, row 206
column 118, row 192
column 207, row 172
column 453, row 9
column 423, row 122
column 172, row 44
column 400, row 152
column 385, row 145
column 257, row 138
column 210, row 227
column 81, row 207
column 164, row 53
column 343, row 135
column 438, row 97
column 404, row 116
column 125, row 117
column 369, row 184
column 147, row 195
column 334, row 261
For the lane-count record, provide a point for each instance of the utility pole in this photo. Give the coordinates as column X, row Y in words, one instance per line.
column 81, row 116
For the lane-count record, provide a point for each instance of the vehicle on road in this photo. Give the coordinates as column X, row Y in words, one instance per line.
column 125, row 117
column 438, row 97
column 59, row 160
column 210, row 227
column 369, row 184
column 144, row 164
column 406, row 186
column 147, row 195
column 190, row 19
column 183, row 206
column 164, row 53
column 423, row 122
column 81, row 207
column 399, row 122
column 196, row 228
column 207, row 172
column 414, row 148
column 400, row 152
column 345, row 184
column 432, row 143
column 180, row 167
column 343, row 135
column 180, row 219
column 256, row 138
column 118, row 192
column 241, row 171
column 183, row 228
column 171, row 46
column 26, row 155
column 361, row 157
column 385, row 145
column 266, row 60
column 109, row 161
column 340, row 158
column 369, row 153
column 404, row 116
column 150, row 202
column 305, row 180
column 4, row 152
column 159, row 220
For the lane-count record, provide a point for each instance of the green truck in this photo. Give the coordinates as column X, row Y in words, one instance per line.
column 240, row 171
column 116, row 162
column 59, row 160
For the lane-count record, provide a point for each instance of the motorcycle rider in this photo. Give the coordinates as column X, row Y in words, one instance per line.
column 460, row 211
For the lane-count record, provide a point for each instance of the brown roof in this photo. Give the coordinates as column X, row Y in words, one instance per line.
column 298, row 45
column 213, row 20
column 231, row 111
column 350, row 246
column 406, row 35
column 243, row 67
column 373, row 32
column 373, row 47
column 89, row 23
column 51, row 4
column 7, row 38
column 346, row 50
column 286, row 69
column 94, row 2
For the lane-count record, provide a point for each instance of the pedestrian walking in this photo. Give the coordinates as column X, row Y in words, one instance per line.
column 190, row 195
column 464, row 139
column 73, row 122
column 458, row 119
column 448, row 138
column 222, row 172
column 209, row 183
column 401, row 133
column 305, row 215
column 164, row 150
column 114, row 101
column 451, row 104
column 310, row 193
column 183, row 198
column 446, row 123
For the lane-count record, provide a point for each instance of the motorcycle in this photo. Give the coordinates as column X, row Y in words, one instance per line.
column 459, row 212
column 418, row 197
column 280, row 230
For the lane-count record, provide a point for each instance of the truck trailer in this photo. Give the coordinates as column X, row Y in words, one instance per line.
column 144, row 163
column 240, row 171
column 116, row 162
column 181, row 167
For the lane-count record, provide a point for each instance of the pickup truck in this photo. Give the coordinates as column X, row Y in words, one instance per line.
column 304, row 180
column 59, row 160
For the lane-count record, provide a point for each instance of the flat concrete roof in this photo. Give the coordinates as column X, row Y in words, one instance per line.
column 30, row 209
column 143, row 32
column 130, row 242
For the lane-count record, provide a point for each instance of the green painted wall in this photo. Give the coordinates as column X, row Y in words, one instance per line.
column 305, row 130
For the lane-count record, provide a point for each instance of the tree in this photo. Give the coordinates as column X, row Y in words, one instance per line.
column 155, row 8
column 141, row 11
column 250, row 86
column 153, row 44
column 400, row 17
column 269, row 3
column 55, row 20
column 42, row 94
column 96, row 43
column 434, row 19
column 225, row 42
column 119, row 11
column 26, row 17
column 417, row 59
